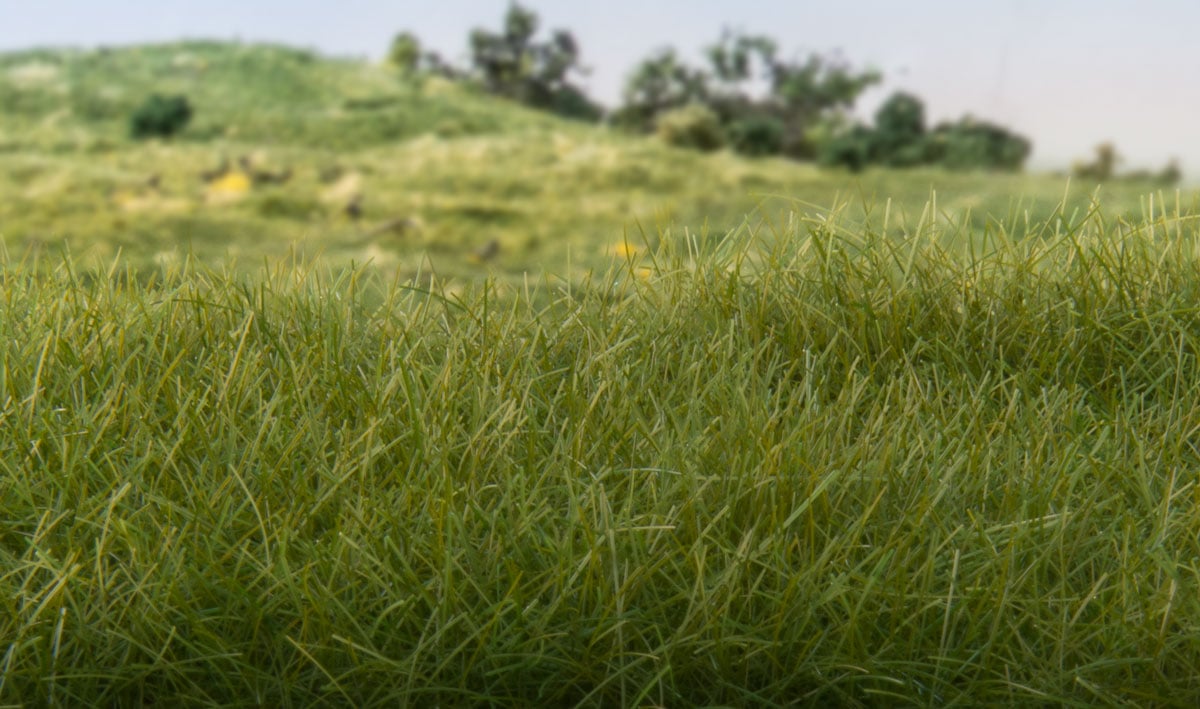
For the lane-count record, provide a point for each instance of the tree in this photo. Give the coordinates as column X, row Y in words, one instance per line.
column 734, row 62
column 1103, row 167
column 899, row 137
column 405, row 53
column 812, row 90
column 512, row 63
column 659, row 84
column 798, row 95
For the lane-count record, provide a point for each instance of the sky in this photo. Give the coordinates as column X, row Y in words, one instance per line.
column 1067, row 73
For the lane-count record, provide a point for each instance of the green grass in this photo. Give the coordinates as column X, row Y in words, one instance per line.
column 704, row 431
column 460, row 170
column 801, row 464
column 71, row 100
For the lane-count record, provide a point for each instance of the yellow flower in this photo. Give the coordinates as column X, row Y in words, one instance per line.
column 626, row 250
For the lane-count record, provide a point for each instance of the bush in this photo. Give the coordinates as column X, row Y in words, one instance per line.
column 851, row 149
column 900, row 132
column 693, row 126
column 1171, row 174
column 969, row 144
column 570, row 102
column 405, row 53
column 160, row 116
column 756, row 136
column 1103, row 167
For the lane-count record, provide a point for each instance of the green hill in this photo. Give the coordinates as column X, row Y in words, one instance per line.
column 291, row 154
column 268, row 95
column 918, row 437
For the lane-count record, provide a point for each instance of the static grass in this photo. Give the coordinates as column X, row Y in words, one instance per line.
column 436, row 172
column 563, row 201
column 68, row 100
column 809, row 465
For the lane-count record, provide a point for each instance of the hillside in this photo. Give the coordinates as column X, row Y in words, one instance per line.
column 293, row 155
column 897, row 438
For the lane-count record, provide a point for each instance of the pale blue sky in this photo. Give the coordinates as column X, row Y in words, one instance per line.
column 1068, row 73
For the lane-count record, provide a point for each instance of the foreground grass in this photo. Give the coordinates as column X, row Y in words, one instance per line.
column 804, row 465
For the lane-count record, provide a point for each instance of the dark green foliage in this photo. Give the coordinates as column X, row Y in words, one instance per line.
column 756, row 136
column 814, row 89
column 405, row 53
column 900, row 131
column 534, row 72
column 692, row 126
column 899, row 139
column 572, row 102
column 851, row 149
column 799, row 94
column 160, row 117
column 970, row 144
column 659, row 84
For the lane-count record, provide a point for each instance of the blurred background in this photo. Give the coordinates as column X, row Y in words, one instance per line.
column 473, row 137
column 1070, row 74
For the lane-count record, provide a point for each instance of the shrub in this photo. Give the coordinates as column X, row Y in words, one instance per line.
column 970, row 144
column 537, row 73
column 405, row 53
column 570, row 102
column 1171, row 174
column 692, row 126
column 1103, row 167
column 756, row 136
column 851, row 149
column 900, row 131
column 160, row 116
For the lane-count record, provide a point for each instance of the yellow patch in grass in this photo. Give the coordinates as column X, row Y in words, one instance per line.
column 229, row 187
column 626, row 250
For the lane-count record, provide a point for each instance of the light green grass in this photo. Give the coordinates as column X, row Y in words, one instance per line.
column 458, row 169
column 805, row 464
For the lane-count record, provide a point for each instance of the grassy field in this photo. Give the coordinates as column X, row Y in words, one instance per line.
column 799, row 467
column 437, row 173
column 842, row 447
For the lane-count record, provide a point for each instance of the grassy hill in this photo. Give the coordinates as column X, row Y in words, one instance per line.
column 805, row 438
column 437, row 172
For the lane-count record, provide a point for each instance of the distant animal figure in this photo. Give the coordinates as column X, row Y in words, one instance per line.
column 353, row 208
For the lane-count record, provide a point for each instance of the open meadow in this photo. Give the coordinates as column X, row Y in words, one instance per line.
column 372, row 393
